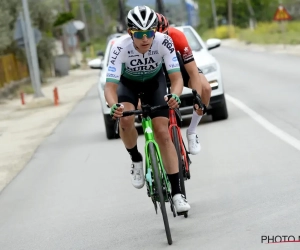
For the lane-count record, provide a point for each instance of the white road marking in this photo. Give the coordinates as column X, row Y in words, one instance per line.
column 265, row 123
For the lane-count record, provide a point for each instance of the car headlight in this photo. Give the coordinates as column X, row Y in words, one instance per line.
column 209, row 68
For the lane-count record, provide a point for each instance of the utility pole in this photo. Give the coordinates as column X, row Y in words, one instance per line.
column 86, row 30
column 67, row 5
column 160, row 7
column 27, row 50
column 214, row 12
column 104, row 16
column 252, row 14
column 32, row 51
column 229, row 18
column 229, row 5
column 122, row 17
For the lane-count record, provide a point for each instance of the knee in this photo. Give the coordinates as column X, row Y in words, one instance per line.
column 206, row 88
column 162, row 135
column 126, row 123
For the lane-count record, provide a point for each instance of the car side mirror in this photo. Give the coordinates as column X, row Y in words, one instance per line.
column 213, row 43
column 96, row 64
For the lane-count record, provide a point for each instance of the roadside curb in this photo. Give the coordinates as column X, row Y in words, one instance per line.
column 23, row 129
column 272, row 48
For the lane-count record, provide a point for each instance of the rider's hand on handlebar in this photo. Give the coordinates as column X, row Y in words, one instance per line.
column 116, row 110
column 199, row 107
column 172, row 100
column 198, row 110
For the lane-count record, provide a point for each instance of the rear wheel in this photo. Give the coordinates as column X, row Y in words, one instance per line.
column 159, row 190
column 175, row 140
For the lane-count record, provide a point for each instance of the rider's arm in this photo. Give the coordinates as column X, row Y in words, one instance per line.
column 172, row 65
column 194, row 75
column 113, row 75
column 196, row 79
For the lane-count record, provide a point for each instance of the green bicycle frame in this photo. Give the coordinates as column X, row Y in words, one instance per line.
column 149, row 136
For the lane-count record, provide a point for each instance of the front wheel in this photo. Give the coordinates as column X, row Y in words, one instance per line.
column 159, row 190
column 176, row 142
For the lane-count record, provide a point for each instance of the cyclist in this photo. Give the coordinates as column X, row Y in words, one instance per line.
column 135, row 65
column 191, row 78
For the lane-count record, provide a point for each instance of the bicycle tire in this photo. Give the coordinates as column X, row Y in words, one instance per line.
column 157, row 181
column 175, row 140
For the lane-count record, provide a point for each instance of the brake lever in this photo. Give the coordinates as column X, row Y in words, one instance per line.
column 198, row 101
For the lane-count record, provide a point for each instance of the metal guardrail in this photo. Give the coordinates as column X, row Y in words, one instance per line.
column 11, row 70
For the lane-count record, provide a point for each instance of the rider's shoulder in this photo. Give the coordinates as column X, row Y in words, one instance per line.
column 161, row 36
column 175, row 33
column 122, row 41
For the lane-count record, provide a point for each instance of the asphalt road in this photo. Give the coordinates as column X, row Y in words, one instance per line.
column 76, row 192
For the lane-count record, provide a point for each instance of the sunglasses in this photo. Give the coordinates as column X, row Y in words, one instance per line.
column 141, row 33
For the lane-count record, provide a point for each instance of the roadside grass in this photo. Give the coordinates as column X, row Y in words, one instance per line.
column 264, row 33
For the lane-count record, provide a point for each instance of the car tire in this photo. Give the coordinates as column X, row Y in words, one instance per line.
column 220, row 113
column 109, row 127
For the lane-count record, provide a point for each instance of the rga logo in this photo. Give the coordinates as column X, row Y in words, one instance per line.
column 112, row 69
column 174, row 59
column 169, row 45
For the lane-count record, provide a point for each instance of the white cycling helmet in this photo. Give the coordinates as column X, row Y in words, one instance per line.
column 141, row 18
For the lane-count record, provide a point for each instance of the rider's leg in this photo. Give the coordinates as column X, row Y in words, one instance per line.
column 160, row 123
column 204, row 88
column 170, row 161
column 129, row 135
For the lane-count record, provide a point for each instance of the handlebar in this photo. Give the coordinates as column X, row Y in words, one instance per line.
column 145, row 111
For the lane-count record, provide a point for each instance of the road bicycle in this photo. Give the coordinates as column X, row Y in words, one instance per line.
column 182, row 153
column 157, row 182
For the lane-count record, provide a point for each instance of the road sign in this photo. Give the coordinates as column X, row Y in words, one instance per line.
column 281, row 14
column 19, row 36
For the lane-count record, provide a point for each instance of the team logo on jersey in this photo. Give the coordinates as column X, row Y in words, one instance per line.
column 186, row 49
column 111, row 76
column 112, row 69
column 152, row 52
column 174, row 59
column 168, row 45
column 174, row 65
column 115, row 54
column 144, row 64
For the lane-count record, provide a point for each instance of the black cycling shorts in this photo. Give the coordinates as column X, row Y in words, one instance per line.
column 154, row 91
column 184, row 73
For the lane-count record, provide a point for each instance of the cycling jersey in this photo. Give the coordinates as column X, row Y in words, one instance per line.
column 125, row 60
column 181, row 44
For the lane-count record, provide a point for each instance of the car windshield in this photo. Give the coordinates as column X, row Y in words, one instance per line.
column 192, row 39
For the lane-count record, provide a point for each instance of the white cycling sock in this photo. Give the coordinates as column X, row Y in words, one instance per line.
column 194, row 123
